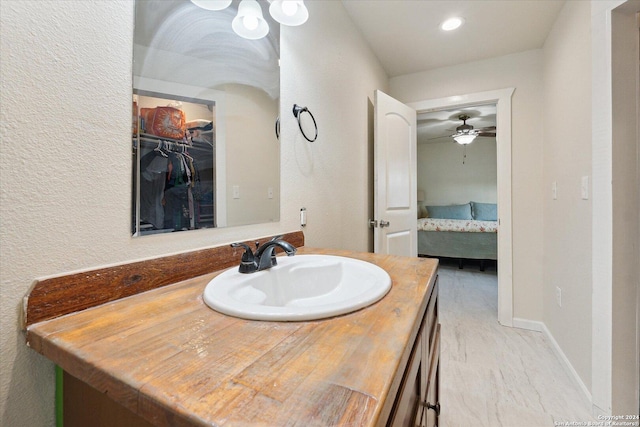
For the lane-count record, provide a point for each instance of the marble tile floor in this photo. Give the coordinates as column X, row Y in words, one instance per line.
column 492, row 375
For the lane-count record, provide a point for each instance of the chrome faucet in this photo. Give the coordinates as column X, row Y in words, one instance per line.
column 264, row 256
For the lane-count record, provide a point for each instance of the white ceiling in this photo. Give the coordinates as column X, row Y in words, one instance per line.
column 406, row 37
column 438, row 126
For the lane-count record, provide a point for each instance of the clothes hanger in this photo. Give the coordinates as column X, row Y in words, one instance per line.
column 186, row 153
column 159, row 149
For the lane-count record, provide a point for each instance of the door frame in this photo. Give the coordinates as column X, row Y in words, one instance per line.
column 502, row 99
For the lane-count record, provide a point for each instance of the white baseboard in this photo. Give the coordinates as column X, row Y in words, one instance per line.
column 534, row 325
column 531, row 325
column 567, row 364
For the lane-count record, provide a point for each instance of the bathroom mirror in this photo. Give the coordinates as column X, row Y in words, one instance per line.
column 205, row 103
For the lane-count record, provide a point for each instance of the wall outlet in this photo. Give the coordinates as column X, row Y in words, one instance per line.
column 559, row 296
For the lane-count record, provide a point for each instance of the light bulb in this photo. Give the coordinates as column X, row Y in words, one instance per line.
column 289, row 12
column 251, row 22
column 289, row 7
column 464, row 139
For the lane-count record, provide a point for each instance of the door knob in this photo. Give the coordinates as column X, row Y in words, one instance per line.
column 384, row 223
column 373, row 223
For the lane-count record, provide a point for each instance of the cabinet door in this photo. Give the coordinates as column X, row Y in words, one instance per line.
column 432, row 403
column 85, row 406
column 419, row 382
column 431, row 321
column 409, row 398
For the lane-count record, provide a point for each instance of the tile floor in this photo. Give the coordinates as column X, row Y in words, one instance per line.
column 493, row 375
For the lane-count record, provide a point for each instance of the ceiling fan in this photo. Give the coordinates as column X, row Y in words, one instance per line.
column 465, row 134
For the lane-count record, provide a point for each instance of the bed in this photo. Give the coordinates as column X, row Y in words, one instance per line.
column 467, row 231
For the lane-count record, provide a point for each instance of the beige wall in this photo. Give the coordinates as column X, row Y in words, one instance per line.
column 330, row 70
column 252, row 155
column 524, row 72
column 65, row 170
column 445, row 179
column 567, row 158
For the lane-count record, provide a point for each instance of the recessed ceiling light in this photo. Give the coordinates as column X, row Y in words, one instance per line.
column 451, row 24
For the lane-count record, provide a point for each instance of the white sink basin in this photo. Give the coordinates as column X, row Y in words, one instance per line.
column 302, row 287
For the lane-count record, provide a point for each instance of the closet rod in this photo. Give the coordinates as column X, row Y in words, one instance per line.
column 154, row 140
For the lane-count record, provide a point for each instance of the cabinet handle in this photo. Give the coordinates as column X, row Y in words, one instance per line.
column 435, row 407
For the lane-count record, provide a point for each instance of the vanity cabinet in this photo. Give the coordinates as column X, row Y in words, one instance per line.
column 417, row 403
column 162, row 358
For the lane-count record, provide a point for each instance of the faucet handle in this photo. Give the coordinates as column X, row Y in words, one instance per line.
column 248, row 262
column 248, row 253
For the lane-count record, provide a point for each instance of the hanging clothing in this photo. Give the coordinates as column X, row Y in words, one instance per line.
column 153, row 167
column 169, row 187
column 178, row 196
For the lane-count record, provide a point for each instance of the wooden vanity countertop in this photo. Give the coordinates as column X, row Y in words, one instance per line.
column 169, row 358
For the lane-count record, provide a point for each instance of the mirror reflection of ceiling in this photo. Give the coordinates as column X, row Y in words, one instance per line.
column 438, row 126
column 175, row 39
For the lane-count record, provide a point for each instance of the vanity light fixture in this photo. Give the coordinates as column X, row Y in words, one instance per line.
column 249, row 22
column 451, row 24
column 212, row 4
column 289, row 12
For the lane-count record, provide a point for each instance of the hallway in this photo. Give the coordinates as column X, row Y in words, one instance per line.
column 493, row 375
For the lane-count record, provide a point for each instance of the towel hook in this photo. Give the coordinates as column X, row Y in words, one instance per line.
column 297, row 112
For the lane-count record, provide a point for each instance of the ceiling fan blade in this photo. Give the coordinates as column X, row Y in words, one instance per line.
column 438, row 137
column 489, row 131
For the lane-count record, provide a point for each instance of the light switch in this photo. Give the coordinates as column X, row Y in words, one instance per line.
column 236, row 191
column 270, row 192
column 584, row 188
column 554, row 190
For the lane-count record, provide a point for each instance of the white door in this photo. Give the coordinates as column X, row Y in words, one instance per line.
column 395, row 179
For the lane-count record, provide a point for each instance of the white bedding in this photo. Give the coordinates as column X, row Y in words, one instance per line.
column 463, row 225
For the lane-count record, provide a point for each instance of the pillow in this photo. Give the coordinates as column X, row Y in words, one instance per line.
column 450, row 211
column 484, row 211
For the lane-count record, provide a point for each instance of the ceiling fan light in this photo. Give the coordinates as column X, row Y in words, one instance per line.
column 289, row 12
column 249, row 22
column 212, row 4
column 464, row 138
column 451, row 24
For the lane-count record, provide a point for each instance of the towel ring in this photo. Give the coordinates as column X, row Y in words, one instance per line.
column 297, row 112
